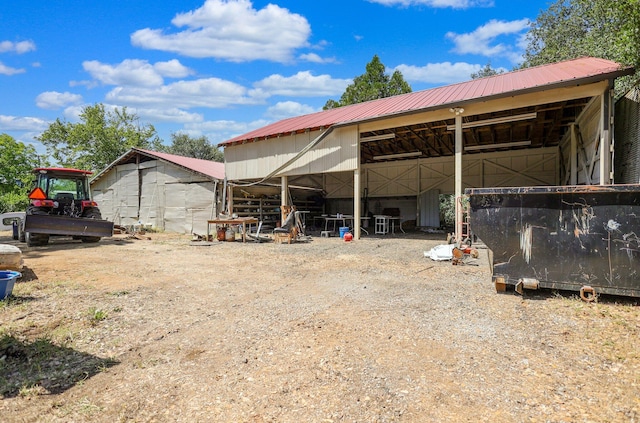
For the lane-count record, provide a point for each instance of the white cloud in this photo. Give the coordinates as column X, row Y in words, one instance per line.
column 209, row 92
column 454, row 4
column 314, row 58
column 20, row 47
column 287, row 109
column 134, row 72
column 172, row 69
column 7, row 70
column 172, row 115
column 53, row 100
column 482, row 40
column 231, row 30
column 439, row 73
column 302, row 84
column 13, row 123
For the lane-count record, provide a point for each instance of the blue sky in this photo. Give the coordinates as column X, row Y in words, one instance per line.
column 221, row 68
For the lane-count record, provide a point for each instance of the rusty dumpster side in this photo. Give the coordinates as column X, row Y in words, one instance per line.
column 573, row 238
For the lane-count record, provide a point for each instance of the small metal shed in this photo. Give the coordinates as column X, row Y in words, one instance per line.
column 159, row 190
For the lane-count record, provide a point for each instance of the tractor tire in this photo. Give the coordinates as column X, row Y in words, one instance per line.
column 21, row 236
column 36, row 240
column 91, row 213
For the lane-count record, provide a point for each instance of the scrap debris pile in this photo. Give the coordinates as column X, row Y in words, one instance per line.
column 457, row 255
column 132, row 231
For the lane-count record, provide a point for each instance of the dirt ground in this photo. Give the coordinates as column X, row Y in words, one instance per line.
column 163, row 330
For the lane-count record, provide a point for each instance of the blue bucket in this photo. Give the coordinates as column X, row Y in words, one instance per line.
column 7, row 280
column 343, row 230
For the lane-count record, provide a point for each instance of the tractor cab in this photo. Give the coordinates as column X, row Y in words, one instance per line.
column 61, row 204
column 64, row 191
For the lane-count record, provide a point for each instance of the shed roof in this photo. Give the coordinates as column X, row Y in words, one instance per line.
column 208, row 168
column 568, row 73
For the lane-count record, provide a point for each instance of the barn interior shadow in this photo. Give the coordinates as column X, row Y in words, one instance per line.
column 44, row 366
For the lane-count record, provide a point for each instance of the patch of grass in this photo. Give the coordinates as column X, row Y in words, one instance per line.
column 96, row 315
column 32, row 391
column 85, row 406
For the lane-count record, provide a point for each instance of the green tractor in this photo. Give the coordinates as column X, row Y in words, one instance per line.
column 61, row 205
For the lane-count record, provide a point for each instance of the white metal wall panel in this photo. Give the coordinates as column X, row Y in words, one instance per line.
column 413, row 177
column 588, row 158
column 339, row 185
column 102, row 193
column 126, row 194
column 174, row 174
column 338, row 152
column 437, row 174
column 199, row 205
column 188, row 207
column 393, row 179
column 149, row 197
column 104, row 197
column 175, row 213
column 117, row 194
column 518, row 168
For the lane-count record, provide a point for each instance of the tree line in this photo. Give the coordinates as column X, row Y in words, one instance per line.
column 568, row 29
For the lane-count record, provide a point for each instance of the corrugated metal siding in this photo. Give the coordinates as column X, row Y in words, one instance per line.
column 126, row 194
column 627, row 138
column 338, row 152
column 149, row 195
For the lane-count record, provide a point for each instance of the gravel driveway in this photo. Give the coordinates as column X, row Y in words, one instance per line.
column 160, row 329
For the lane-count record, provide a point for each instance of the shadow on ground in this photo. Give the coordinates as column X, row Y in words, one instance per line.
column 42, row 367
column 544, row 294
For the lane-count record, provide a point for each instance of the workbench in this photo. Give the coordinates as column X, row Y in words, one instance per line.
column 244, row 221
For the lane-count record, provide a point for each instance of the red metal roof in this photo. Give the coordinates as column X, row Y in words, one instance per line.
column 570, row 72
column 206, row 167
column 62, row 170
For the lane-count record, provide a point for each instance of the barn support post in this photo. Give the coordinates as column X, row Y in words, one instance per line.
column 214, row 204
column 284, row 195
column 356, row 203
column 605, row 137
column 458, row 173
column 574, row 156
column 230, row 200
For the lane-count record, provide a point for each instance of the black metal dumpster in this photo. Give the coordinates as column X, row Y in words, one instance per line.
column 579, row 238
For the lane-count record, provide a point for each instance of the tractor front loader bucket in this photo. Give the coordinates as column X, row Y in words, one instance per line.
column 70, row 226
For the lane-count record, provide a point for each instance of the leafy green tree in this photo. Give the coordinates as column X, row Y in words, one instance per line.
column 486, row 71
column 609, row 29
column 98, row 139
column 199, row 148
column 17, row 160
column 371, row 85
